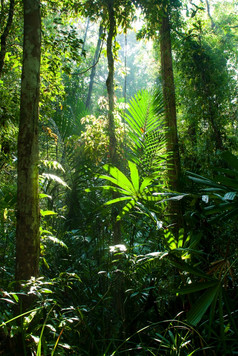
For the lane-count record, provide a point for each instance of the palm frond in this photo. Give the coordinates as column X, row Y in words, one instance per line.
column 146, row 130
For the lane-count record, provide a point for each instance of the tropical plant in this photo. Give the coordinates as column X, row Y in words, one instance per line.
column 221, row 193
column 135, row 191
column 144, row 117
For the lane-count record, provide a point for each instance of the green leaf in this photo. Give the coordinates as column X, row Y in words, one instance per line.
column 134, row 175
column 184, row 266
column 196, row 287
column 126, row 209
column 113, row 201
column 197, row 311
column 47, row 212
column 145, row 183
column 41, row 195
column 120, row 178
column 230, row 159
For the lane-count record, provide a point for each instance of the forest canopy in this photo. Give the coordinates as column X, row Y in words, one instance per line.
column 118, row 177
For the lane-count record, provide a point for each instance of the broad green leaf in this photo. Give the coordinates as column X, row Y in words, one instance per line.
column 47, row 212
column 113, row 201
column 112, row 188
column 134, row 175
column 120, row 177
column 197, row 311
column 145, row 183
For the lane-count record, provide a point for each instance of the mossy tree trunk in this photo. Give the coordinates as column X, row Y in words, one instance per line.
column 28, row 219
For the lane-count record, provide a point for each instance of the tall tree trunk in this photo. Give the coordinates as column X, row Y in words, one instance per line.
column 170, row 112
column 111, row 125
column 93, row 71
column 27, row 231
column 110, row 83
column 5, row 34
column 116, row 227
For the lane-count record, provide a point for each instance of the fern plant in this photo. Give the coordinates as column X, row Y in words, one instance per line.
column 144, row 118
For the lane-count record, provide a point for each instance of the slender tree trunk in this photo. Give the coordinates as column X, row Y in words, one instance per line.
column 169, row 101
column 111, row 125
column 5, row 34
column 93, row 71
column 116, row 227
column 170, row 113
column 110, row 83
column 27, row 230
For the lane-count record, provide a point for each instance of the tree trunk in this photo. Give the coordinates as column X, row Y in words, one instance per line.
column 5, row 34
column 169, row 101
column 111, row 125
column 113, row 158
column 93, row 71
column 27, row 230
column 170, row 113
column 110, row 83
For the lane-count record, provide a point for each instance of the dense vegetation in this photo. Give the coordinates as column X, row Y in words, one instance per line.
column 118, row 177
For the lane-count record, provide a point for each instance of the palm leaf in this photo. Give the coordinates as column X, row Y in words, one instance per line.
column 146, row 131
column 197, row 311
column 119, row 178
column 134, row 175
column 141, row 117
column 129, row 190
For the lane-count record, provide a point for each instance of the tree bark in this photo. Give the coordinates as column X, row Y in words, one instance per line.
column 169, row 101
column 170, row 115
column 93, row 71
column 28, row 220
column 5, row 34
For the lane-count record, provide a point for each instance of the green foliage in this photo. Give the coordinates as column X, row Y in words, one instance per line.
column 206, row 90
column 144, row 117
column 133, row 190
column 178, row 291
column 221, row 193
